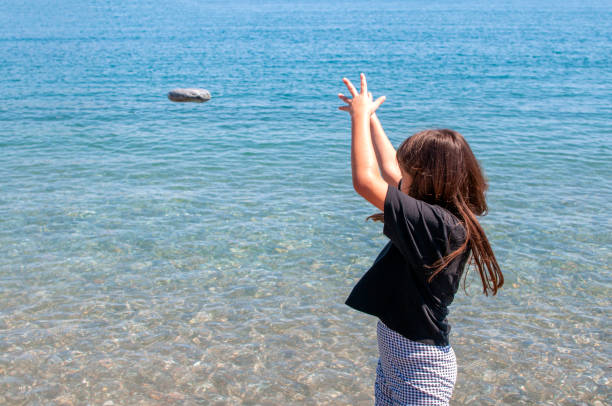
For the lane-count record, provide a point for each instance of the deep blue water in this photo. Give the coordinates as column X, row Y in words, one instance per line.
column 199, row 253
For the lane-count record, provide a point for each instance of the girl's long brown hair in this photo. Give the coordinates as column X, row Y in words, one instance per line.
column 445, row 172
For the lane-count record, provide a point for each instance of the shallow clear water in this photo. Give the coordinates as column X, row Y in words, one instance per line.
column 155, row 253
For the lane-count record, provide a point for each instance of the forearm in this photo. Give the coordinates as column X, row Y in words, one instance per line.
column 364, row 164
column 385, row 153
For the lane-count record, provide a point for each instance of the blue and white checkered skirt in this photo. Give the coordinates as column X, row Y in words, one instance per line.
column 411, row 373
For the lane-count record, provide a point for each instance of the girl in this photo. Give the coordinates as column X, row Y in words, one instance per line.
column 430, row 192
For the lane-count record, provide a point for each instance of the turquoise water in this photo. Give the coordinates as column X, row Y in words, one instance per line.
column 156, row 253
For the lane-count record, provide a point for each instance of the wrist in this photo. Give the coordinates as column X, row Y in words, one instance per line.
column 360, row 116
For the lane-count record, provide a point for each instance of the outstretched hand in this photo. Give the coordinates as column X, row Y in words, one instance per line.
column 362, row 102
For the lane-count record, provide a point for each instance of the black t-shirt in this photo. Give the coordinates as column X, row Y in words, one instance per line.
column 395, row 289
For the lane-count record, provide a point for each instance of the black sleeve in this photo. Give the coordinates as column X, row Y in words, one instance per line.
column 415, row 228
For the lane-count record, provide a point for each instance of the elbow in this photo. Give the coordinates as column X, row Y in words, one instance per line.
column 389, row 179
column 362, row 183
column 359, row 187
column 391, row 174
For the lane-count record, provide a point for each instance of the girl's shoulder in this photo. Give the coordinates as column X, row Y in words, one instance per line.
column 447, row 216
column 454, row 225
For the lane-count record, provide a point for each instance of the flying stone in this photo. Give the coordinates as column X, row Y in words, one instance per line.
column 189, row 95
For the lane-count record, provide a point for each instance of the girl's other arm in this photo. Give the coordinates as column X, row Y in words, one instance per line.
column 385, row 153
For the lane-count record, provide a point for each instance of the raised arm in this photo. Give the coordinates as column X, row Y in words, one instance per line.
column 385, row 153
column 364, row 165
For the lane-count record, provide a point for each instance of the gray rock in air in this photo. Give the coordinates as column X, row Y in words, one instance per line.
column 189, row 95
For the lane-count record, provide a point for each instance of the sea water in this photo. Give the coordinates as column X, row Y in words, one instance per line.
column 199, row 254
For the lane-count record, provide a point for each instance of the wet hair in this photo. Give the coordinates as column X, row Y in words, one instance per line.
column 445, row 172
